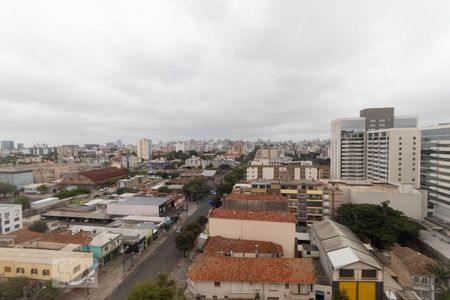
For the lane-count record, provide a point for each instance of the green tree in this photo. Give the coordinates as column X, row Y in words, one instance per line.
column 185, row 241
column 164, row 189
column 194, row 227
column 341, row 295
column 6, row 188
column 13, row 288
column 42, row 189
column 64, row 193
column 24, row 201
column 215, row 199
column 160, row 288
column 38, row 226
column 444, row 296
column 201, row 220
column 197, row 187
column 380, row 224
column 442, row 273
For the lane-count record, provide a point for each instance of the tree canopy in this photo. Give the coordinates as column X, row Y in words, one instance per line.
column 161, row 288
column 381, row 225
column 127, row 189
column 64, row 193
column 6, row 188
column 24, row 201
column 197, row 187
column 38, row 226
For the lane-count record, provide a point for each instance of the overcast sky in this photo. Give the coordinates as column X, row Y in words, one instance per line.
column 98, row 71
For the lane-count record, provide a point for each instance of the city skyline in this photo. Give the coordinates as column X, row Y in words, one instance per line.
column 200, row 70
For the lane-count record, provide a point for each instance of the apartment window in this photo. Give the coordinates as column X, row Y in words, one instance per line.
column 16, row 226
column 286, row 285
column 424, row 280
column 399, row 169
column 217, row 283
column 414, row 153
column 416, row 279
column 399, row 143
column 46, row 272
column 7, row 215
column 105, row 249
column 414, row 137
column 7, row 229
column 413, row 179
column 413, row 169
column 76, row 269
column 16, row 219
column 399, row 163
column 347, row 273
column 399, row 179
column 369, row 273
column 20, row 270
column 414, row 158
column 400, row 138
column 399, row 174
column 34, row 271
column 7, row 269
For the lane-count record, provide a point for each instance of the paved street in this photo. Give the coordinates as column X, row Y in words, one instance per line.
column 165, row 258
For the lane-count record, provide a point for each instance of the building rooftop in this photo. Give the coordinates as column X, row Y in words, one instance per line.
column 254, row 197
column 24, row 235
column 218, row 244
column 272, row 216
column 9, row 206
column 249, row 269
column 43, row 256
column 209, row 173
column 147, row 200
column 103, row 238
column 341, row 245
column 415, row 262
column 101, row 175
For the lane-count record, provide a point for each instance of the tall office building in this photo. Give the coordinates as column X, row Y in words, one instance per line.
column 371, row 147
column 435, row 169
column 393, row 155
column 347, row 149
column 7, row 145
column 144, row 149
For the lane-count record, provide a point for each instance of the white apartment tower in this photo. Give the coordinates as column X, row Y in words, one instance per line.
column 347, row 149
column 435, row 170
column 144, row 149
column 393, row 155
column 376, row 146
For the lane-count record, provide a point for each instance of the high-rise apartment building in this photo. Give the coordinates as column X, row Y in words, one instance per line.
column 435, row 169
column 7, row 145
column 347, row 148
column 393, row 155
column 144, row 149
column 372, row 147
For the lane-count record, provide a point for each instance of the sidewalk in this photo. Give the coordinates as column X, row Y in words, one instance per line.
column 112, row 275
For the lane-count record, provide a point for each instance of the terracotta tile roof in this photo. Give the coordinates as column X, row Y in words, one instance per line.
column 25, row 235
column 248, row 269
column 415, row 262
column 219, row 245
column 105, row 174
column 254, row 197
column 269, row 216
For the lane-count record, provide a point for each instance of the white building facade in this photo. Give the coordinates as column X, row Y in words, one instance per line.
column 10, row 218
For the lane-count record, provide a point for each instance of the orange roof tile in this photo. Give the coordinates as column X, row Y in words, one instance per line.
column 254, row 197
column 218, row 244
column 247, row 269
column 415, row 262
column 269, row 216
column 25, row 235
column 104, row 174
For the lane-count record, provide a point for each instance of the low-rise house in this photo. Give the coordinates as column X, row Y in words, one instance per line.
column 10, row 218
column 218, row 277
column 221, row 246
column 411, row 270
column 61, row 267
column 273, row 226
column 346, row 261
column 105, row 246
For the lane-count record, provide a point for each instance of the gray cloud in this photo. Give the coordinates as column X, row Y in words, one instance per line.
column 79, row 72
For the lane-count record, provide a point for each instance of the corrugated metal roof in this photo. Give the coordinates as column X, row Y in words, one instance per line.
column 342, row 246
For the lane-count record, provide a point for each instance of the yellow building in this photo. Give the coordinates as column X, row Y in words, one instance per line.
column 62, row 266
column 346, row 261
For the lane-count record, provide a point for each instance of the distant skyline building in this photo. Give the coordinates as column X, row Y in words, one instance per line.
column 7, row 145
column 144, row 149
column 435, row 170
column 354, row 158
